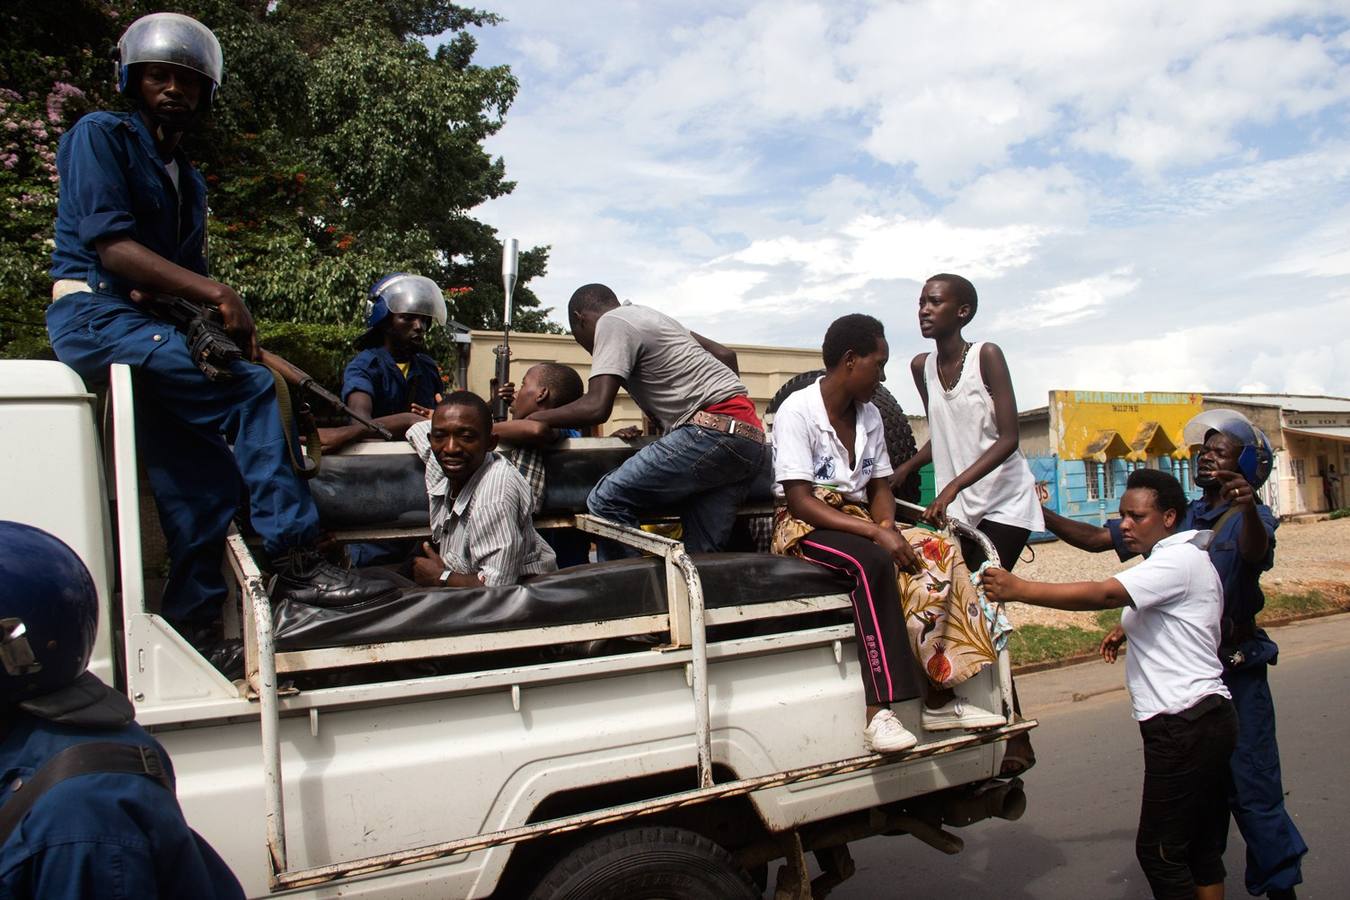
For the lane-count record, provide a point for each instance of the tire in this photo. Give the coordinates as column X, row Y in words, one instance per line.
column 899, row 436
column 645, row 864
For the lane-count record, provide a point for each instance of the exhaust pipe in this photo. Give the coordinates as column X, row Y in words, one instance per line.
column 993, row 799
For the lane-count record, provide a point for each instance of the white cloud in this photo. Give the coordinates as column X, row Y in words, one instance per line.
column 1050, row 196
column 1122, row 173
column 1063, row 304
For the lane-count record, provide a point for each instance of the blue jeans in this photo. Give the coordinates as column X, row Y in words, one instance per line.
column 1256, row 793
column 701, row 474
column 185, row 426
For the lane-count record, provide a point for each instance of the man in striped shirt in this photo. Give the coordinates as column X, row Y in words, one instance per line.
column 481, row 507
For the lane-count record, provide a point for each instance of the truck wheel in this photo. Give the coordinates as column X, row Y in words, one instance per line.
column 650, row 863
column 899, row 436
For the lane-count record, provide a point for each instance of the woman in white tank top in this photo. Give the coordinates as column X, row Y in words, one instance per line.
column 981, row 477
column 967, row 391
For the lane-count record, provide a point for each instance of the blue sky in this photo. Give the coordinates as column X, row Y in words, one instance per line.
column 1148, row 195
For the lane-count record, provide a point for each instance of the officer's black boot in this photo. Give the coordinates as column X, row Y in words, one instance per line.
column 305, row 576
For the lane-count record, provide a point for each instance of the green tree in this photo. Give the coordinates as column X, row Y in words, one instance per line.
column 339, row 149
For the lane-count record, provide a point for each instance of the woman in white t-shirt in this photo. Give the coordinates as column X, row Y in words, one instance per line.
column 1173, row 601
column 831, row 462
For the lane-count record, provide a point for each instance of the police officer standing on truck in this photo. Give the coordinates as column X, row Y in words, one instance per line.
column 87, row 805
column 131, row 222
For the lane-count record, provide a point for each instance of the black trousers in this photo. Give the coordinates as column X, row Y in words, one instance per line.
column 890, row 672
column 1183, row 817
column 1008, row 540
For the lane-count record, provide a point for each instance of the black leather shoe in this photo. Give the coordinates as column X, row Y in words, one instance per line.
column 1281, row 894
column 305, row 576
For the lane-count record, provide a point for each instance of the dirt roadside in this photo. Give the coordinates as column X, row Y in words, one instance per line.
column 1308, row 557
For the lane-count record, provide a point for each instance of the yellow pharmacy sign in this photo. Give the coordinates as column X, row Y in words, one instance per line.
column 1104, row 425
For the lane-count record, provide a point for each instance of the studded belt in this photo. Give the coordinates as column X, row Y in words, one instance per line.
column 728, row 424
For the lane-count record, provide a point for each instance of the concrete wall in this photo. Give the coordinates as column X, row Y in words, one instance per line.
column 1033, row 432
column 1300, row 469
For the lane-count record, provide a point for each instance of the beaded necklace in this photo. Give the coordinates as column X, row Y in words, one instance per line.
column 960, row 367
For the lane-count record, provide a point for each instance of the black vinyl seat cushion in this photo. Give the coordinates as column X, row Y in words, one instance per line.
column 589, row 593
column 389, row 490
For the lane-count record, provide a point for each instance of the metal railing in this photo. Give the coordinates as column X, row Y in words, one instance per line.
column 685, row 622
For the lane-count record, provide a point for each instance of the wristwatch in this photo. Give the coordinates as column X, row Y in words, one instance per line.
column 444, row 578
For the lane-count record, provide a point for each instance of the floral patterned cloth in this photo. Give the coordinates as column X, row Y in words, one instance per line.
column 954, row 631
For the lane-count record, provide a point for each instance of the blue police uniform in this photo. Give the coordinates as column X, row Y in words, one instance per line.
column 105, row 835
column 375, row 372
column 114, row 183
column 1256, row 793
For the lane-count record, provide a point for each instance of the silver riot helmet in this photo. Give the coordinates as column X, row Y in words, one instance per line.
column 170, row 38
column 401, row 293
column 1255, row 456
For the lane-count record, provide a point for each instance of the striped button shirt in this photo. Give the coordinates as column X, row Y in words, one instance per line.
column 487, row 528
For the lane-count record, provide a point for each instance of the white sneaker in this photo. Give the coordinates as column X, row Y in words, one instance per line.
column 958, row 714
column 885, row 734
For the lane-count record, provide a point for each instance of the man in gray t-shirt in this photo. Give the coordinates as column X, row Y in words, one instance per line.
column 713, row 446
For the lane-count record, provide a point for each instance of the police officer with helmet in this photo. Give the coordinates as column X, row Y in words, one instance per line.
column 131, row 222
column 392, row 379
column 87, row 805
column 1233, row 462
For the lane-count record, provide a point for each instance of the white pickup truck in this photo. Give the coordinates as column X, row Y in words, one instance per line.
column 656, row 727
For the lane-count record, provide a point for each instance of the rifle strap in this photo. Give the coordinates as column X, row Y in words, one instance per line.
column 304, row 467
column 79, row 759
column 1223, row 519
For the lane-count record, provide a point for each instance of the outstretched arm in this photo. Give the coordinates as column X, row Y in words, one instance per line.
column 591, row 408
column 1002, row 586
column 525, row 433
column 1092, row 538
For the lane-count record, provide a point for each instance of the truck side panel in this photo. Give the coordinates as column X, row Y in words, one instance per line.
column 370, row 779
column 53, row 476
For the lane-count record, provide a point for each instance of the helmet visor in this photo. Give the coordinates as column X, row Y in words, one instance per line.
column 1226, row 421
column 175, row 39
column 415, row 295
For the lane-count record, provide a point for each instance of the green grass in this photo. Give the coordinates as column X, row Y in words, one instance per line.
column 1038, row 643
column 1283, row 606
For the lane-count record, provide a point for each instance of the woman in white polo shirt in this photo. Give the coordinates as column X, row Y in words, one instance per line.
column 1173, row 602
column 830, row 459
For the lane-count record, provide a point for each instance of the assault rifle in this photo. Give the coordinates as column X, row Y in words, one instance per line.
column 509, row 271
column 213, row 350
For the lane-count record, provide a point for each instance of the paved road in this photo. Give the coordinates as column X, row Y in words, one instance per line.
column 1077, row 838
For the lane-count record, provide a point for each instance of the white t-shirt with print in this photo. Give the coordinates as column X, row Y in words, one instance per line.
column 805, row 447
column 1172, row 661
